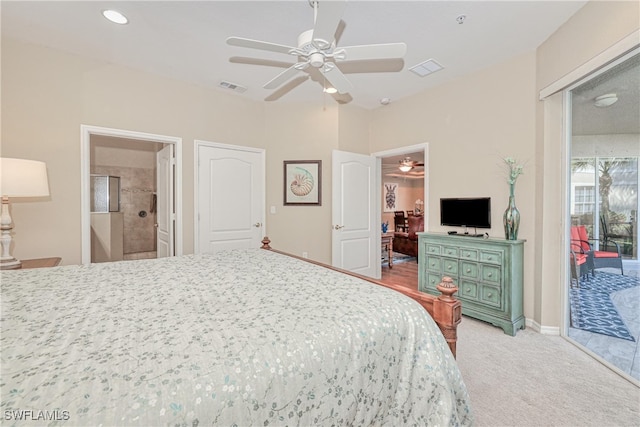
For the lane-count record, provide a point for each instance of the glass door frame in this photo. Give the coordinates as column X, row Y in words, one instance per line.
column 566, row 192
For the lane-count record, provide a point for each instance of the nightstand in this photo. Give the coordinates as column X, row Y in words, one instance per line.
column 40, row 262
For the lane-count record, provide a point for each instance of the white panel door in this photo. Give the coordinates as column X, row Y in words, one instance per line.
column 230, row 192
column 356, row 231
column 165, row 213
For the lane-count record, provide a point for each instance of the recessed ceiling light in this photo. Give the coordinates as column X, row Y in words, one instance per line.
column 115, row 16
column 606, row 100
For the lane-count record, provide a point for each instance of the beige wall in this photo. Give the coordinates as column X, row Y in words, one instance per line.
column 300, row 132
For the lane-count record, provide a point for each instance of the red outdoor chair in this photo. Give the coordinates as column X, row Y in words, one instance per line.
column 581, row 247
column 581, row 257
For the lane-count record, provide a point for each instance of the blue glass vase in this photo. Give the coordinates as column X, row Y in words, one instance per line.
column 511, row 217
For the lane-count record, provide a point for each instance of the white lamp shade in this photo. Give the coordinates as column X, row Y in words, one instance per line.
column 23, row 178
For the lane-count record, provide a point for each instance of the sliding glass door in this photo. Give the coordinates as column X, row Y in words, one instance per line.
column 603, row 294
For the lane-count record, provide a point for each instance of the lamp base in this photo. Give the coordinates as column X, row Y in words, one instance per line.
column 10, row 264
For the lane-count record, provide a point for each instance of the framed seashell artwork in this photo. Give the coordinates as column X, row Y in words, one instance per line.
column 303, row 182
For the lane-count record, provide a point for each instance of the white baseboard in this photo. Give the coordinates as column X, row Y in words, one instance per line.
column 544, row 330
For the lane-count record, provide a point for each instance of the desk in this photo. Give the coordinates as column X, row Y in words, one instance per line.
column 387, row 243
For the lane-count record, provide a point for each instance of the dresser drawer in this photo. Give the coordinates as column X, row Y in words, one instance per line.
column 493, row 257
column 491, row 274
column 451, row 251
column 469, row 270
column 434, row 263
column 433, row 280
column 434, row 249
column 490, row 295
column 469, row 254
column 449, row 267
column 468, row 290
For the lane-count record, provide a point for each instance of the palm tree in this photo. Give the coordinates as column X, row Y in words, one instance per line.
column 605, row 180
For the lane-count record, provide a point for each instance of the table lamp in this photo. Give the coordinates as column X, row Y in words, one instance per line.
column 18, row 178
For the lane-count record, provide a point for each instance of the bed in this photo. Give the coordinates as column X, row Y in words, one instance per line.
column 246, row 337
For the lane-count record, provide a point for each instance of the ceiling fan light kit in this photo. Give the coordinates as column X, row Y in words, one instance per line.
column 318, row 48
column 407, row 164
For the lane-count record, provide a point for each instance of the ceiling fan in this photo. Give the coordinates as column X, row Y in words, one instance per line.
column 406, row 164
column 319, row 56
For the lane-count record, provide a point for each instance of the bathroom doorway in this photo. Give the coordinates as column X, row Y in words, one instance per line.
column 128, row 230
column 141, row 171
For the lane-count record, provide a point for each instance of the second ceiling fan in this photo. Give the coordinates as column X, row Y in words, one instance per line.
column 319, row 56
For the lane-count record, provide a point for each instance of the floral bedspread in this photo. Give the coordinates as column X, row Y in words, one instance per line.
column 241, row 337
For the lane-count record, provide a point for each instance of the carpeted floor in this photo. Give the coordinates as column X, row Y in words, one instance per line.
column 592, row 308
column 535, row 380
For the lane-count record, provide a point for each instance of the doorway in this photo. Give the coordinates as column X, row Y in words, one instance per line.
column 410, row 194
column 145, row 222
column 603, row 293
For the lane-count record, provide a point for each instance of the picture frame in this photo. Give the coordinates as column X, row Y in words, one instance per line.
column 390, row 196
column 303, row 182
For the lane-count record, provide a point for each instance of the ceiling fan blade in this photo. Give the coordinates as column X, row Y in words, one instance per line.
column 372, row 51
column 287, row 88
column 258, row 61
column 341, row 26
column 372, row 66
column 337, row 79
column 342, row 98
column 328, row 14
column 258, row 44
column 282, row 78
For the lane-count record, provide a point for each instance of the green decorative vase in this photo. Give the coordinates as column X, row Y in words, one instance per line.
column 511, row 217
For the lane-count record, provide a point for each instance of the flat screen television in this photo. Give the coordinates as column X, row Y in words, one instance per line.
column 471, row 212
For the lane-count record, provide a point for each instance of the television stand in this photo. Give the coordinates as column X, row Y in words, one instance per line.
column 488, row 273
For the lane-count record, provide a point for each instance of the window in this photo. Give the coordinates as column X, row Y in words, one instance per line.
column 585, row 200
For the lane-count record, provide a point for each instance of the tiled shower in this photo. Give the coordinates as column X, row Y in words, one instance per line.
column 137, row 202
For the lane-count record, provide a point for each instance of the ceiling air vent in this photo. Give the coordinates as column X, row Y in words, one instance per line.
column 232, row 86
column 427, row 67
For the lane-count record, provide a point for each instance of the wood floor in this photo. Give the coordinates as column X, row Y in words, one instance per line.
column 402, row 274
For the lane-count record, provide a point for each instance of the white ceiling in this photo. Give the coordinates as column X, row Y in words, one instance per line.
column 623, row 117
column 186, row 39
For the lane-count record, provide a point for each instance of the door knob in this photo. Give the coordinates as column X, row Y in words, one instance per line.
column 338, row 227
column 257, row 224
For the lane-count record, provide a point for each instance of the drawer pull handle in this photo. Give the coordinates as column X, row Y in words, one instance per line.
column 490, row 258
column 490, row 274
column 468, row 255
column 468, row 270
column 468, row 290
column 433, row 264
column 449, row 268
column 489, row 295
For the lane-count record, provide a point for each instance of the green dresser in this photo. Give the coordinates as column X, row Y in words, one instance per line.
column 488, row 273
